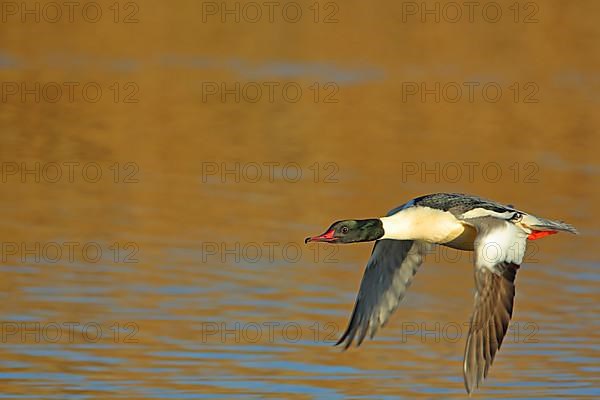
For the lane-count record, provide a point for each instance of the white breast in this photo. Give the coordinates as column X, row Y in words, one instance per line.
column 422, row 223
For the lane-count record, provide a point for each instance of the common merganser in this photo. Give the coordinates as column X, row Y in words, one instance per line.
column 496, row 233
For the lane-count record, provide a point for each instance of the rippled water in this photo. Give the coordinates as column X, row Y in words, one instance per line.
column 166, row 258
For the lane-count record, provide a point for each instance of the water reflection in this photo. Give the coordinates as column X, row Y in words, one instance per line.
column 161, row 314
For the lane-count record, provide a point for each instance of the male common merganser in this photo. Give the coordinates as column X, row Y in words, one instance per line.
column 496, row 233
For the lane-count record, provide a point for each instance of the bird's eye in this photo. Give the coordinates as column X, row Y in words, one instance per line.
column 344, row 229
column 517, row 217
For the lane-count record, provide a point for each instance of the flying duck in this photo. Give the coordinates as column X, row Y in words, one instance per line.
column 496, row 233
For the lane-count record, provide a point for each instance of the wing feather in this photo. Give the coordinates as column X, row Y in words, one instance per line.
column 494, row 297
column 389, row 272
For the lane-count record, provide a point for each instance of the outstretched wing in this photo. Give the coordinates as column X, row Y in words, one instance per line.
column 499, row 250
column 388, row 274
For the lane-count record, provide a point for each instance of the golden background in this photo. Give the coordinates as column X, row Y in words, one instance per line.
column 187, row 230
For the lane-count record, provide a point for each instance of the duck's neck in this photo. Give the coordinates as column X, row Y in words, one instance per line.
column 397, row 226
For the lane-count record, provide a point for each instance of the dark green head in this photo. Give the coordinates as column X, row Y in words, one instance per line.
column 350, row 231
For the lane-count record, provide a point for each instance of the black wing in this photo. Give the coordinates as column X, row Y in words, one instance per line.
column 388, row 274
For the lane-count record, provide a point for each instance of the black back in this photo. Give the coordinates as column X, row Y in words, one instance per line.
column 456, row 203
